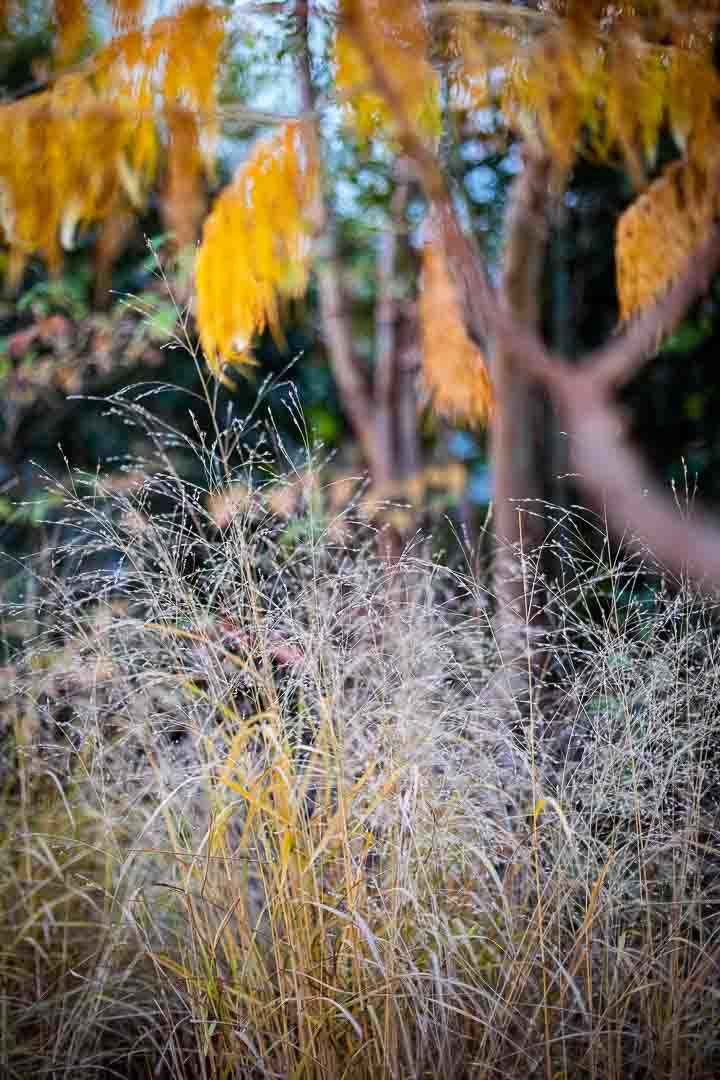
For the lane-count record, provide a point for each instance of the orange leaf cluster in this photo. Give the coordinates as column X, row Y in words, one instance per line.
column 605, row 88
column 77, row 153
column 658, row 233
column 71, row 17
column 60, row 166
column 173, row 62
column 397, row 35
column 453, row 368
column 256, row 246
column 127, row 13
column 184, row 201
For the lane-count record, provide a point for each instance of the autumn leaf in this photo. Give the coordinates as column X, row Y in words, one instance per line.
column 396, row 33
column 453, row 368
column 71, row 17
column 256, row 247
column 658, row 233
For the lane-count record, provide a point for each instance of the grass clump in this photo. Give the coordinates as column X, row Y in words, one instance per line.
column 262, row 817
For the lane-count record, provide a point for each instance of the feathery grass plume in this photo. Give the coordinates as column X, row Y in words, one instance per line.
column 453, row 368
column 398, row 36
column 265, row 821
column 256, row 246
column 658, row 233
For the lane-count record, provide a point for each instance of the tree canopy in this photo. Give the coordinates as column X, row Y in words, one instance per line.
column 130, row 102
column 125, row 102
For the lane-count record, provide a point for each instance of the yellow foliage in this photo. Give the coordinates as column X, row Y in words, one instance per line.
column 174, row 62
column 184, row 199
column 551, row 90
column 71, row 18
column 59, row 155
column 453, row 368
column 658, row 233
column 478, row 51
column 397, row 35
column 191, row 42
column 127, row 13
column 693, row 92
column 256, row 246
column 578, row 86
column 69, row 156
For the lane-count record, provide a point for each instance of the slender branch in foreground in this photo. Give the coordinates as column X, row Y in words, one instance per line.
column 609, row 469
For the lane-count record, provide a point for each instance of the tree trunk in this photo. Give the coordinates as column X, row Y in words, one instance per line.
column 387, row 359
column 382, row 414
column 517, row 439
column 355, row 393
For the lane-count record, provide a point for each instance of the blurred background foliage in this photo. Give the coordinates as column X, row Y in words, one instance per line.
column 68, row 341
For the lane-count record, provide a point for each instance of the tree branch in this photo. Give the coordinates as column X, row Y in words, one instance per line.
column 517, row 430
column 615, row 478
column 387, row 351
column 617, row 362
column 465, row 262
column 609, row 469
column 355, row 393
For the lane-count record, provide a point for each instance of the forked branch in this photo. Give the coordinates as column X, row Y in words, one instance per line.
column 608, row 468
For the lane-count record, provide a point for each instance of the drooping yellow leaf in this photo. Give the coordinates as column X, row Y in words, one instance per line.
column 256, row 244
column 397, row 36
column 479, row 53
column 453, row 368
column 75, row 154
column 71, row 17
column 635, row 101
column 606, row 86
column 184, row 200
column 127, row 13
column 59, row 154
column 172, row 63
column 124, row 71
column 693, row 94
column 551, row 90
column 658, row 233
column 192, row 42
